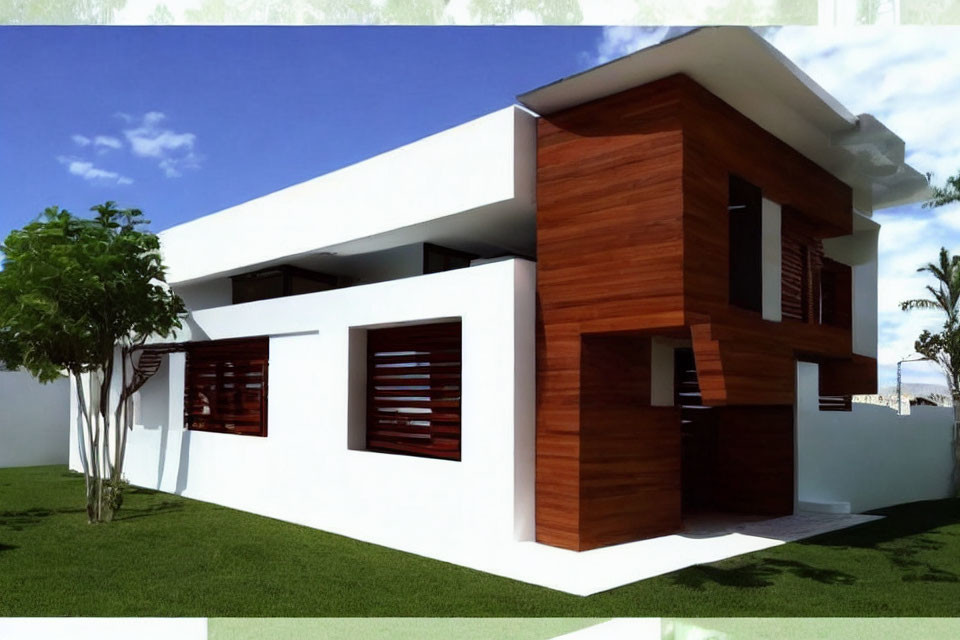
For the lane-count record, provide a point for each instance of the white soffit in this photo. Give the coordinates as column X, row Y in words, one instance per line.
column 749, row 74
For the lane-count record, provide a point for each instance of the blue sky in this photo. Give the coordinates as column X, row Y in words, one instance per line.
column 182, row 122
column 245, row 110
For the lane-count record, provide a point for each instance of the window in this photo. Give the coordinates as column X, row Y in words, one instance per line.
column 746, row 261
column 276, row 282
column 225, row 388
column 413, row 390
column 801, row 267
column 437, row 258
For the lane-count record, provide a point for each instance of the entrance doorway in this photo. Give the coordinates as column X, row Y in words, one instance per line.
column 698, row 436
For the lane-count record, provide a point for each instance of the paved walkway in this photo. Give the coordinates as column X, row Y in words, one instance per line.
column 706, row 539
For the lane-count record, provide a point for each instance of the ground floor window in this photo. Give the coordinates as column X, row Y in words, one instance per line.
column 413, row 390
column 225, row 388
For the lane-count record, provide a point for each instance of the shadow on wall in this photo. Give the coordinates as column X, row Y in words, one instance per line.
column 155, row 406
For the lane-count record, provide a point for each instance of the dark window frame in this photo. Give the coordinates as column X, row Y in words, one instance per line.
column 224, row 356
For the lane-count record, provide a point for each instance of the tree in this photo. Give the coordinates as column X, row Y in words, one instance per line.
column 77, row 297
column 944, row 347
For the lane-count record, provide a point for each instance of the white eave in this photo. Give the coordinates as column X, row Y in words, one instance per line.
column 749, row 74
column 468, row 187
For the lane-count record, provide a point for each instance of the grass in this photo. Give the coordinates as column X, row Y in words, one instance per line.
column 169, row 556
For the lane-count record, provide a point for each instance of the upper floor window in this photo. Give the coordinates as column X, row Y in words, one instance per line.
column 225, row 387
column 814, row 288
column 746, row 233
column 279, row 281
column 437, row 258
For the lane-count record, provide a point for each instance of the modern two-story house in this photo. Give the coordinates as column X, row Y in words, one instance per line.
column 576, row 321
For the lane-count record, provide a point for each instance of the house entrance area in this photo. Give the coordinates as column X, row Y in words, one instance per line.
column 698, row 435
column 736, row 461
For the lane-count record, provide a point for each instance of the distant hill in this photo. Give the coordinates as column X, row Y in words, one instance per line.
column 916, row 389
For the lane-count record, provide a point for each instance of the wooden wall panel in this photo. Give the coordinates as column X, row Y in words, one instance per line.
column 609, row 259
column 629, row 451
column 754, row 460
column 848, row 376
column 632, row 239
column 718, row 142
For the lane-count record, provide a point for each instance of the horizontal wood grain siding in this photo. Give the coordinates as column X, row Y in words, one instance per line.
column 754, row 460
column 629, row 451
column 848, row 376
column 633, row 238
column 753, row 363
column 609, row 259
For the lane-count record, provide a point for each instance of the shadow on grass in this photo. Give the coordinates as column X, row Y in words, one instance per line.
column 899, row 522
column 7, row 547
column 18, row 520
column 128, row 513
column 141, row 491
column 758, row 574
column 907, row 531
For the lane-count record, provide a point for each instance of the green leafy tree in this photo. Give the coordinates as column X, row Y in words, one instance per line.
column 79, row 297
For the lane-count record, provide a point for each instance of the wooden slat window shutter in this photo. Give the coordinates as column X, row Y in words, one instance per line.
column 836, row 403
column 413, row 390
column 800, row 267
column 225, row 388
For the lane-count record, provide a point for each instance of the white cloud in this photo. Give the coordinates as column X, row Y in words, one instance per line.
column 910, row 79
column 107, row 141
column 91, row 173
column 80, row 140
column 173, row 151
column 617, row 42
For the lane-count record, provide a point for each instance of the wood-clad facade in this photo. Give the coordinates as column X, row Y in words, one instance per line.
column 633, row 241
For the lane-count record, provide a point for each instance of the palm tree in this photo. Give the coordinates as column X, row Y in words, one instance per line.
column 944, row 347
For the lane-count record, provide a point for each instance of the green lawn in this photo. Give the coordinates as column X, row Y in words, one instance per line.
column 168, row 556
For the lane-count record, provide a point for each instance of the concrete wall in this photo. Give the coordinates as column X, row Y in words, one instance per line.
column 304, row 471
column 33, row 420
column 859, row 250
column 488, row 162
column 869, row 457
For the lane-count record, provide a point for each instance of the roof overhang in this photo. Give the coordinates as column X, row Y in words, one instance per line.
column 745, row 71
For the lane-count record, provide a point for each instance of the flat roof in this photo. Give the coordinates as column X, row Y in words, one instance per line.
column 751, row 75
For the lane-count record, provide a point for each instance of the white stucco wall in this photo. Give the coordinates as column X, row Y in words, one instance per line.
column 33, row 420
column 304, row 471
column 487, row 163
column 869, row 457
column 859, row 250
